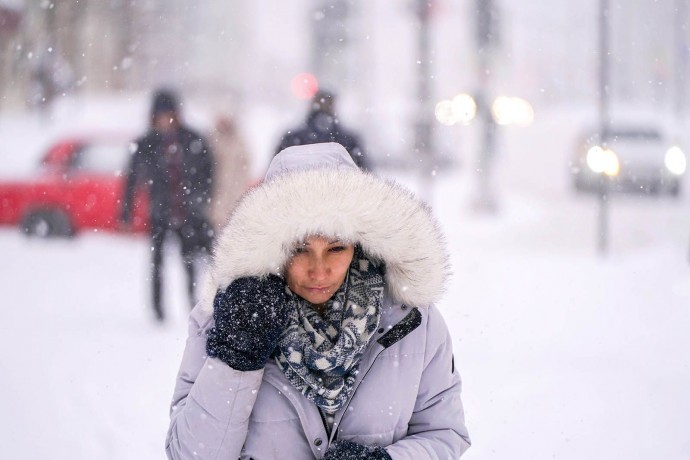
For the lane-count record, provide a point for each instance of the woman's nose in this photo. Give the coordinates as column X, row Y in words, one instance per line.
column 318, row 269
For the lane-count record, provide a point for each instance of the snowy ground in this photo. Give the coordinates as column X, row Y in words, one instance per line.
column 564, row 354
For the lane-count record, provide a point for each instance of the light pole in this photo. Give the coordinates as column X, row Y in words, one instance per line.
column 604, row 181
column 422, row 124
column 330, row 39
column 680, row 58
column 486, row 39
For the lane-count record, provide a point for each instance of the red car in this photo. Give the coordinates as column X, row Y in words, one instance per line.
column 79, row 186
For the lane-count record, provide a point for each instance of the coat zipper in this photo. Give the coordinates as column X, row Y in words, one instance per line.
column 334, row 434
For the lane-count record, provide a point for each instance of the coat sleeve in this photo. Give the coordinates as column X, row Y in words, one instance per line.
column 212, row 402
column 128, row 191
column 436, row 429
column 136, row 169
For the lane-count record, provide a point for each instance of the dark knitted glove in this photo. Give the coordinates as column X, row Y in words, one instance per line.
column 348, row 450
column 250, row 315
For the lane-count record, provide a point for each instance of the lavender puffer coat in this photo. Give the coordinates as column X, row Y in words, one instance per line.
column 407, row 391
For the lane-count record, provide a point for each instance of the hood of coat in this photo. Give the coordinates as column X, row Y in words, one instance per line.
column 317, row 190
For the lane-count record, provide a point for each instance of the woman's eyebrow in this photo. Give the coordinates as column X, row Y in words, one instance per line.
column 306, row 243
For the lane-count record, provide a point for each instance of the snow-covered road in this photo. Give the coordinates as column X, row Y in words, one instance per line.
column 564, row 354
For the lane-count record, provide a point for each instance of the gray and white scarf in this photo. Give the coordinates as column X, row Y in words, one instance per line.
column 320, row 354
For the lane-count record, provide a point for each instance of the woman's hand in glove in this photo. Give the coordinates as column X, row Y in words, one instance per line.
column 348, row 450
column 249, row 317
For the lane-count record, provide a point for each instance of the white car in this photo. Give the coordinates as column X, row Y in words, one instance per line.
column 628, row 158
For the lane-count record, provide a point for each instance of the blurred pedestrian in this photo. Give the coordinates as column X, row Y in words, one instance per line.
column 323, row 125
column 230, row 169
column 174, row 164
column 50, row 76
column 316, row 336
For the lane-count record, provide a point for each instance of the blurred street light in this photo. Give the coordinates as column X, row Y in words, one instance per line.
column 461, row 109
column 505, row 110
column 444, row 113
column 464, row 108
column 512, row 111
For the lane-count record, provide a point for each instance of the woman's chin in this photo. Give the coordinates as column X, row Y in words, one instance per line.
column 316, row 298
column 320, row 300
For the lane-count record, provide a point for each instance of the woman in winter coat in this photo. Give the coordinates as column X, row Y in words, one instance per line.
column 317, row 336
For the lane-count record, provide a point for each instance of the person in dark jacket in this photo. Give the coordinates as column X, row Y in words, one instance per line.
column 174, row 165
column 323, row 125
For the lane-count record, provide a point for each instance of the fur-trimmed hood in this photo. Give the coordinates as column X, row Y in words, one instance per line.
column 317, row 189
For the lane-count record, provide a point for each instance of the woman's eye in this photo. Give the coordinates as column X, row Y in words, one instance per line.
column 299, row 250
column 337, row 248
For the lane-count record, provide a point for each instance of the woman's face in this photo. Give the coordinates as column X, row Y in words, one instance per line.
column 318, row 268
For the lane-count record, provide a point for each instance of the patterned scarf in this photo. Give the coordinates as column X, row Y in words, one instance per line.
column 320, row 354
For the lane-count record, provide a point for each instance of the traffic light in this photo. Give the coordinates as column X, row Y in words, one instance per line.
column 304, row 85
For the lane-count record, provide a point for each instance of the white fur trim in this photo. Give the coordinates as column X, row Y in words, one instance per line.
column 385, row 218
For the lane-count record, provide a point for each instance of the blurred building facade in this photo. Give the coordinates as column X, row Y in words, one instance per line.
column 247, row 52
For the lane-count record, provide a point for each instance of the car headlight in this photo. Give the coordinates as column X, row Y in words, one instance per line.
column 601, row 160
column 674, row 160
